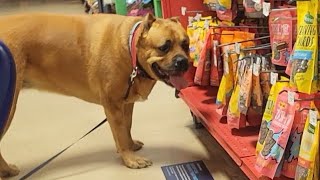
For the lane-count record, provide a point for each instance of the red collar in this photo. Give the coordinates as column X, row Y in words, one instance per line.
column 136, row 69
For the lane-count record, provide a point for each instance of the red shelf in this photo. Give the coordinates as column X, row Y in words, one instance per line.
column 239, row 144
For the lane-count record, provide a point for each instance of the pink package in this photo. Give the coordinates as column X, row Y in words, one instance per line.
column 293, row 146
column 269, row 159
column 281, row 36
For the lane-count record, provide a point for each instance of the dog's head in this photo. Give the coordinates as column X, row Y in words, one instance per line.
column 163, row 50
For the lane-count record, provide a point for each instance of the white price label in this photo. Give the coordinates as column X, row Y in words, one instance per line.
column 237, row 47
column 313, row 118
column 257, row 67
column 291, row 97
column 266, row 8
column 183, row 11
column 226, row 67
column 273, row 78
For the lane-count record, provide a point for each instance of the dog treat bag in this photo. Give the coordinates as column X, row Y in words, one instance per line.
column 304, row 75
column 309, row 147
column 216, row 65
column 267, row 115
column 280, row 28
column 277, row 137
column 265, row 76
column 202, row 76
column 293, row 146
column 246, row 87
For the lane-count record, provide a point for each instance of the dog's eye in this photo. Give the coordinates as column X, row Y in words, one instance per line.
column 185, row 45
column 165, row 48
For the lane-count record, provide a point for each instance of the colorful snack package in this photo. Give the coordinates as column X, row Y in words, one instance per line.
column 267, row 115
column 255, row 110
column 246, row 88
column 233, row 114
column 202, row 76
column 281, row 34
column 227, row 81
column 228, row 14
column 265, row 76
column 304, row 66
column 216, row 65
column 223, row 4
column 276, row 140
column 293, row 147
column 309, row 147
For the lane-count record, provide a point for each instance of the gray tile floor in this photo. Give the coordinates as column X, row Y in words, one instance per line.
column 45, row 123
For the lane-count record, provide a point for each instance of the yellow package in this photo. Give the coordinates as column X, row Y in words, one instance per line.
column 309, row 147
column 224, row 4
column 227, row 81
column 267, row 115
column 233, row 114
column 305, row 56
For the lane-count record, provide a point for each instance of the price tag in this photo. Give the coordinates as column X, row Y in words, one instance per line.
column 237, row 47
column 291, row 97
column 273, row 78
column 257, row 67
column 226, row 67
column 313, row 118
column 183, row 11
column 266, row 8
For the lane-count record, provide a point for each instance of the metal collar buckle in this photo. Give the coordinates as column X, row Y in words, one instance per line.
column 133, row 74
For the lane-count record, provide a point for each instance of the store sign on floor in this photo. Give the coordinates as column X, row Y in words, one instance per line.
column 196, row 170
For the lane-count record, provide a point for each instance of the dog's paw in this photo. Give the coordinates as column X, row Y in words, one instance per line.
column 136, row 162
column 137, row 145
column 13, row 170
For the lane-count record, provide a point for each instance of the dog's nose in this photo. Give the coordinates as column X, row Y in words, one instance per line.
column 181, row 63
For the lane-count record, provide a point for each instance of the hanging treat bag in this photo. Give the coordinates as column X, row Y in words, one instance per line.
column 276, row 140
column 216, row 71
column 246, row 87
column 265, row 76
column 202, row 76
column 255, row 110
column 267, row 115
column 293, row 146
column 304, row 75
column 223, row 5
column 234, row 118
column 280, row 27
column 309, row 147
column 227, row 81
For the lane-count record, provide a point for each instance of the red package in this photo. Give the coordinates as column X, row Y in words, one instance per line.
column 202, row 76
column 281, row 36
column 293, row 146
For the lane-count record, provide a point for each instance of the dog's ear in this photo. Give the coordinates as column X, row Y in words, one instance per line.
column 148, row 20
column 175, row 19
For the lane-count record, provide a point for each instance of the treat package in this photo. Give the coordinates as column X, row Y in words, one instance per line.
column 202, row 76
column 267, row 115
column 266, row 67
column 228, row 14
column 216, row 65
column 234, row 119
column 293, row 146
column 304, row 66
column 281, row 36
column 255, row 110
column 227, row 81
column 223, row 5
column 246, row 88
column 271, row 155
column 309, row 147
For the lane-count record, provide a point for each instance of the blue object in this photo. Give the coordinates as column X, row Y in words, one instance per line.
column 7, row 84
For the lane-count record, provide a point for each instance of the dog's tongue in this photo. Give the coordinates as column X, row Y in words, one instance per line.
column 178, row 82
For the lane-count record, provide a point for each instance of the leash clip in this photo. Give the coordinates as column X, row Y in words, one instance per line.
column 133, row 74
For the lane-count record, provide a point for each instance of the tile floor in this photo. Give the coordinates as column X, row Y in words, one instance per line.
column 46, row 123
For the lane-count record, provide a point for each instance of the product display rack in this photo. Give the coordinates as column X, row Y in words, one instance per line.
column 239, row 144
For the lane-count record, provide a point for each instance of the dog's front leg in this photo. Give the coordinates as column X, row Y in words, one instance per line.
column 120, row 123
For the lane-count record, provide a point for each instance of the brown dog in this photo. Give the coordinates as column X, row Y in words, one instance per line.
column 89, row 57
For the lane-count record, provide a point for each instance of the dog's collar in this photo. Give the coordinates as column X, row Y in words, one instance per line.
column 136, row 67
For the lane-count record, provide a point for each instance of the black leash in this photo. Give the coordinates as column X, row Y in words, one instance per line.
column 39, row 167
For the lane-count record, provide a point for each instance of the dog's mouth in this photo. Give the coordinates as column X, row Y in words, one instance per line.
column 170, row 77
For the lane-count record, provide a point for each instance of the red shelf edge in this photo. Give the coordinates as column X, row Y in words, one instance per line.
column 239, row 161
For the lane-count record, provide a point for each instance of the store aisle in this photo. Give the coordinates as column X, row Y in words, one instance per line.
column 46, row 123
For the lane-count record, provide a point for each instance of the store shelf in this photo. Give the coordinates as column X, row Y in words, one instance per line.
column 239, row 144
